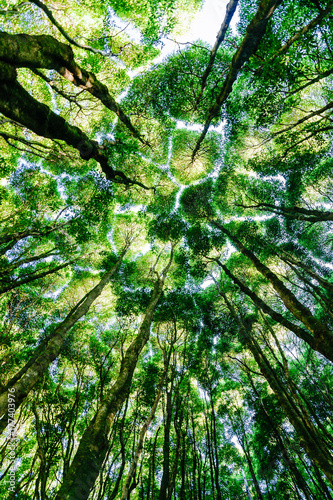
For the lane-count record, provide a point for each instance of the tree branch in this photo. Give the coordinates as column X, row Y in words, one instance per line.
column 44, row 51
column 71, row 40
column 231, row 7
column 254, row 33
column 17, row 104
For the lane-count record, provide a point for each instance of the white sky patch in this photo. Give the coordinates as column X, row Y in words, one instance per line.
column 324, row 264
column 132, row 208
column 138, row 208
column 209, row 280
column 204, row 26
column 145, row 249
column 235, row 442
column 230, row 249
column 180, row 192
column 208, row 21
column 56, row 294
column 123, row 24
column 196, row 127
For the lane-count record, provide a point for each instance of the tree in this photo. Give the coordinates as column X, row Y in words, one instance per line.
column 165, row 251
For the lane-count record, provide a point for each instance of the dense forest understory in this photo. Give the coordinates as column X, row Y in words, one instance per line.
column 166, row 242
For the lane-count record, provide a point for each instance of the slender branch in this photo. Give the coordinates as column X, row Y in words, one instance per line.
column 231, row 7
column 312, row 24
column 250, row 43
column 297, row 213
column 71, row 40
column 305, row 118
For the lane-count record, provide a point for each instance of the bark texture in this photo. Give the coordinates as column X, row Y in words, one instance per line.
column 309, row 437
column 44, row 51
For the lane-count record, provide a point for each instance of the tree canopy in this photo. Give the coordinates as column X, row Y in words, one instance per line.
column 166, row 284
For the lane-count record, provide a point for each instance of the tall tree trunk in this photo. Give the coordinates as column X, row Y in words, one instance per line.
column 289, row 462
column 309, row 438
column 144, row 429
column 166, row 446
column 295, row 213
column 322, row 334
column 197, row 492
column 324, row 283
column 182, row 494
column 27, row 381
column 247, row 489
column 94, row 443
column 302, row 313
column 249, row 45
column 44, row 51
column 215, row 448
column 210, row 456
column 300, row 332
column 115, row 489
column 246, row 449
column 18, row 105
column 12, row 238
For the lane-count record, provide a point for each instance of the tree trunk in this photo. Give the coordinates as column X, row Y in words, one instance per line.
column 166, row 447
column 18, row 105
column 35, row 370
column 153, row 466
column 215, row 449
column 251, row 469
column 320, row 331
column 285, row 454
column 249, row 45
column 94, row 443
column 144, row 429
column 44, row 51
column 309, row 438
column 313, row 342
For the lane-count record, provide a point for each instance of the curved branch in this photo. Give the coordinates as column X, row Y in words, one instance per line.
column 231, row 7
column 45, row 51
column 71, row 40
column 297, row 213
